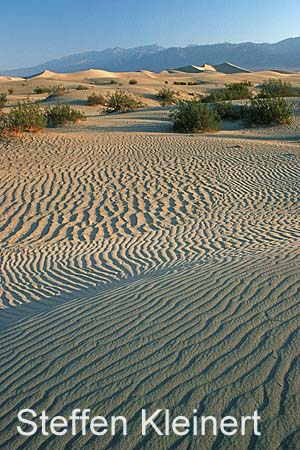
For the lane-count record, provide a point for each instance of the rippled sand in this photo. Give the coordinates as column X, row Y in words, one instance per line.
column 164, row 270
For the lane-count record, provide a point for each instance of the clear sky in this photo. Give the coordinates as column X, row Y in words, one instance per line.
column 34, row 31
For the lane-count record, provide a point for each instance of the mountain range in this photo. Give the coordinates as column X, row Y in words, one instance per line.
column 282, row 55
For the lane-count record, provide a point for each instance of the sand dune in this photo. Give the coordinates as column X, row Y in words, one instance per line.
column 140, row 267
column 85, row 74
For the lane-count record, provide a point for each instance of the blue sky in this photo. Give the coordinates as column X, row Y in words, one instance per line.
column 33, row 32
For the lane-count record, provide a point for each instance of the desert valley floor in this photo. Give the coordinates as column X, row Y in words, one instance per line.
column 144, row 268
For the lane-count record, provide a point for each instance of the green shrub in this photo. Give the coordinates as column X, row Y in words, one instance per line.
column 231, row 91
column 166, row 96
column 3, row 100
column 113, row 82
column 23, row 117
column 193, row 116
column 57, row 91
column 62, row 114
column 192, row 83
column 180, row 83
column 10, row 91
column 133, row 81
column 94, row 100
column 122, row 101
column 268, row 111
column 229, row 111
column 276, row 88
column 41, row 90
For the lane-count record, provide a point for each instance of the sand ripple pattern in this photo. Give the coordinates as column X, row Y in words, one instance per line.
column 222, row 336
column 86, row 211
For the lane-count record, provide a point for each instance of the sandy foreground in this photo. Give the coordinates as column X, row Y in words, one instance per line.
column 143, row 268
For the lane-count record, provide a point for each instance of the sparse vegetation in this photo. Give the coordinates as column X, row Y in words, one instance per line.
column 180, row 83
column 10, row 91
column 231, row 91
column 42, row 90
column 81, row 87
column 113, row 82
column 133, row 81
column 57, row 91
column 192, row 83
column 94, row 100
column 53, row 91
column 268, row 111
column 120, row 100
column 276, row 88
column 23, row 117
column 61, row 114
column 229, row 111
column 193, row 116
column 3, row 100
column 166, row 96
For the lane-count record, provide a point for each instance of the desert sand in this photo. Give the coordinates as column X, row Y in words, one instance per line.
column 141, row 267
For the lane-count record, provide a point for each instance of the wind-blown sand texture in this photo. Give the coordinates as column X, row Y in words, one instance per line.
column 143, row 268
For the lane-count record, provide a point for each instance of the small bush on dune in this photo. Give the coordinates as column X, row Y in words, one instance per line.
column 180, row 83
column 166, row 96
column 229, row 111
column 193, row 117
column 113, row 82
column 268, row 111
column 41, row 90
column 122, row 101
column 57, row 91
column 276, row 88
column 62, row 114
column 81, row 87
column 53, row 91
column 231, row 91
column 10, row 91
column 133, row 82
column 3, row 100
column 94, row 100
column 23, row 117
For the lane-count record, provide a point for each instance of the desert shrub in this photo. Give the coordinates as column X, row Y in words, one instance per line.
column 192, row 83
column 276, row 88
column 113, row 82
column 268, row 111
column 133, row 81
column 41, row 90
column 62, row 114
column 3, row 100
column 122, row 101
column 10, row 91
column 231, row 91
column 193, row 116
column 57, row 91
column 23, row 117
column 166, row 96
column 81, row 87
column 94, row 100
column 180, row 83
column 229, row 111
column 166, row 82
